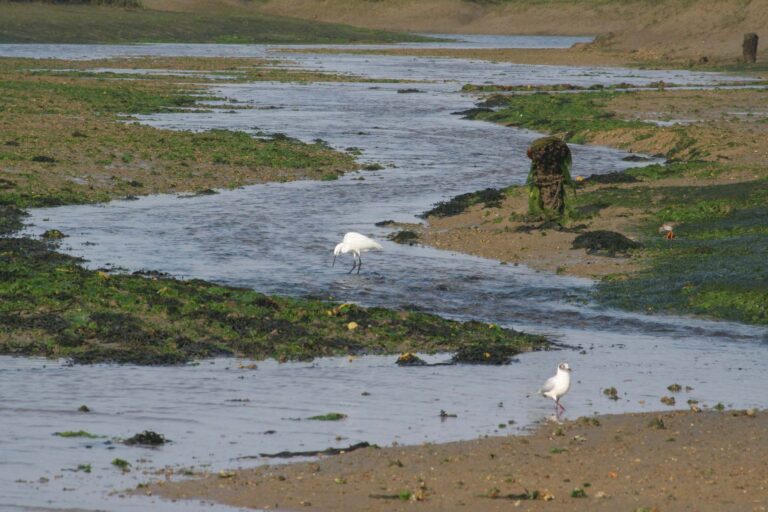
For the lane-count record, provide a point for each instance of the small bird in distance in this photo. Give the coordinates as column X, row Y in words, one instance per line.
column 668, row 230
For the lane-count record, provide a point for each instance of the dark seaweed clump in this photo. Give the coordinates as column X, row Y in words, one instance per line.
column 472, row 113
column 494, row 352
column 10, row 219
column 148, row 438
column 608, row 243
column 410, row 359
column 405, row 236
column 611, row 178
column 490, row 198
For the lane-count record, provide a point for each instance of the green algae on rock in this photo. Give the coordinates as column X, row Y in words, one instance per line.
column 549, row 178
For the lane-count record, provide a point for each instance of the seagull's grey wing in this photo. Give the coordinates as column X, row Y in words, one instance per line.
column 549, row 385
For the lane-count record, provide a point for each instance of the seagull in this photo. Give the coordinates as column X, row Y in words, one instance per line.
column 557, row 386
column 355, row 243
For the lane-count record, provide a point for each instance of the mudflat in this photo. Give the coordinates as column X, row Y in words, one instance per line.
column 672, row 461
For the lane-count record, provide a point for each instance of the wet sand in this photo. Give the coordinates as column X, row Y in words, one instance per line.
column 709, row 461
column 496, row 235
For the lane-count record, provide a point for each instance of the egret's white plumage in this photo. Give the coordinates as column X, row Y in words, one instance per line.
column 355, row 243
column 558, row 385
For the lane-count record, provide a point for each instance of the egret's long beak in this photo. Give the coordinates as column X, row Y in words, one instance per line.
column 334, row 261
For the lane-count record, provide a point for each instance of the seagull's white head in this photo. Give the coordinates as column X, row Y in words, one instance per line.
column 564, row 367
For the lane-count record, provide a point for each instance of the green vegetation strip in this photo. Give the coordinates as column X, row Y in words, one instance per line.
column 77, row 433
column 715, row 267
column 572, row 115
column 65, row 140
column 331, row 416
column 52, row 306
column 40, row 23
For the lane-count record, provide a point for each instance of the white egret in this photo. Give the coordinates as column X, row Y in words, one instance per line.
column 355, row 243
column 558, row 385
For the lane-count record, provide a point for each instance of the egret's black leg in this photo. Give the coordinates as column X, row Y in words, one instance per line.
column 354, row 264
column 359, row 263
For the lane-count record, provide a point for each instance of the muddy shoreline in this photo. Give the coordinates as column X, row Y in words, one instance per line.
column 707, row 461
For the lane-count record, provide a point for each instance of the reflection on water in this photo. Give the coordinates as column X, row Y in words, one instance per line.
column 277, row 238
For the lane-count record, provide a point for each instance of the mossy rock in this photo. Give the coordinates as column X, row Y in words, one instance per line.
column 410, row 359
column 404, row 237
column 53, row 234
column 549, row 152
column 147, row 438
column 603, row 242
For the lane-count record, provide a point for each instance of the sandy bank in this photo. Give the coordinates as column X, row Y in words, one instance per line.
column 711, row 461
column 675, row 30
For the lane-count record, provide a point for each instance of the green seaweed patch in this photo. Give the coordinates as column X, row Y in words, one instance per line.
column 498, row 351
column 572, row 115
column 10, row 219
column 77, row 433
column 578, row 492
column 53, row 234
column 715, row 267
column 121, row 464
column 331, row 416
column 489, row 198
column 677, row 169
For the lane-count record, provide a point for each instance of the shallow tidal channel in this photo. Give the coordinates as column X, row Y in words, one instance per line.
column 277, row 238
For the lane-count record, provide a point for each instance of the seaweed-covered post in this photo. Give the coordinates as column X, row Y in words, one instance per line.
column 749, row 47
column 549, row 176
